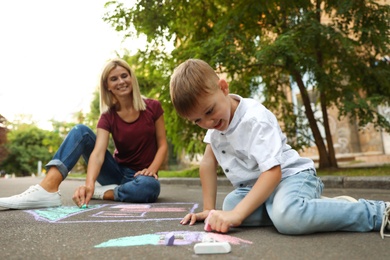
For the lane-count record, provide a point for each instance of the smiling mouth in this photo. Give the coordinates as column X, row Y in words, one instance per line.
column 122, row 88
column 218, row 125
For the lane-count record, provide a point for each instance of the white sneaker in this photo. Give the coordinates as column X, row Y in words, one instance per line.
column 385, row 221
column 33, row 197
column 100, row 190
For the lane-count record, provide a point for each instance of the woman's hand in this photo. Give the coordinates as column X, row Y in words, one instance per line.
column 146, row 172
column 191, row 218
column 82, row 195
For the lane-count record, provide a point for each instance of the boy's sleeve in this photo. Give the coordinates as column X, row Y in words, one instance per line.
column 267, row 145
column 207, row 138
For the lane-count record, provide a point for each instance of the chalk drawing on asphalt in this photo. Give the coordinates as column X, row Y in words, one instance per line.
column 123, row 212
column 181, row 238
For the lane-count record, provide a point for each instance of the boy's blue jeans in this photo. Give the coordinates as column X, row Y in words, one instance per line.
column 295, row 208
column 80, row 141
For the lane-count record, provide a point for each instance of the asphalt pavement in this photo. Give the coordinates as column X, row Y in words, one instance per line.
column 114, row 230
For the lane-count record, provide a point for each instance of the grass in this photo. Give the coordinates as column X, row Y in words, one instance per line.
column 362, row 171
column 194, row 172
column 187, row 173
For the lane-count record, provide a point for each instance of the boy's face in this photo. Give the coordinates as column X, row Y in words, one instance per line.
column 215, row 110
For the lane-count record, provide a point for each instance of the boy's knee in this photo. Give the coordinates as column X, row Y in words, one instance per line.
column 288, row 220
column 233, row 198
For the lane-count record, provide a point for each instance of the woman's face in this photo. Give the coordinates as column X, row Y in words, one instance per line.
column 119, row 82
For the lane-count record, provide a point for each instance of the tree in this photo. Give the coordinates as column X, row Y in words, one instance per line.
column 94, row 113
column 26, row 145
column 333, row 48
column 3, row 138
column 89, row 119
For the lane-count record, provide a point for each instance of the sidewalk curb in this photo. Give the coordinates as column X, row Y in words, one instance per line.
column 358, row 182
column 337, row 182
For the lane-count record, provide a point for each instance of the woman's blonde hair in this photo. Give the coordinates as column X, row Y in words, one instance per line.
column 190, row 81
column 107, row 99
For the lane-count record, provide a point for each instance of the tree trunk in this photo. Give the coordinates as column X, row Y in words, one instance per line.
column 330, row 161
column 328, row 134
column 324, row 159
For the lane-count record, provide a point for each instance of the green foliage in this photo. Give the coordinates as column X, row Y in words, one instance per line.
column 93, row 116
column 264, row 47
column 27, row 144
column 3, row 137
column 62, row 128
column 187, row 173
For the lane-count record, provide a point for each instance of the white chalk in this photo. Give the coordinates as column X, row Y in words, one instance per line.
column 169, row 239
column 212, row 248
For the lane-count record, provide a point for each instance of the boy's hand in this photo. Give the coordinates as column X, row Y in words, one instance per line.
column 221, row 221
column 194, row 217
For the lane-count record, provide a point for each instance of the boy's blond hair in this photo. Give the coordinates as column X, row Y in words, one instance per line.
column 107, row 99
column 190, row 81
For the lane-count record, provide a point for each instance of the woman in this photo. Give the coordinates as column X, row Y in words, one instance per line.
column 137, row 127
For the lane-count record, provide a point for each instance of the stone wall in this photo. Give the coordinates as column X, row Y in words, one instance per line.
column 349, row 142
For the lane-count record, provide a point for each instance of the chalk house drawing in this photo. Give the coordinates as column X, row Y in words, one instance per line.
column 114, row 213
column 181, row 238
column 131, row 213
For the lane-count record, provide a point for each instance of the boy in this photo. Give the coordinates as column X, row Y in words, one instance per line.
column 273, row 184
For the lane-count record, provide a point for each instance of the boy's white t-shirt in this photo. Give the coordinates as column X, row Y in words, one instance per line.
column 253, row 143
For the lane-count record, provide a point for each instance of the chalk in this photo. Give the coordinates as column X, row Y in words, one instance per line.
column 169, row 239
column 84, row 206
column 207, row 239
column 212, row 248
column 207, row 227
column 177, row 236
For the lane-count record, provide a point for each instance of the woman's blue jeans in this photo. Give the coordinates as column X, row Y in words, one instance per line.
column 295, row 208
column 80, row 141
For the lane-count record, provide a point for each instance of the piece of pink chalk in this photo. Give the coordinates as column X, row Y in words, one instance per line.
column 169, row 239
column 207, row 227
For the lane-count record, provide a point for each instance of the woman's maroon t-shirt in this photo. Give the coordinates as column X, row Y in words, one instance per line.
column 135, row 142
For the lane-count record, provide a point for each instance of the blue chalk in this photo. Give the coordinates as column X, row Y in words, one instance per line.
column 84, row 206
